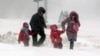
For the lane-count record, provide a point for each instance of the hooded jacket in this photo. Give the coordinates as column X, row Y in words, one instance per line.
column 71, row 33
column 37, row 22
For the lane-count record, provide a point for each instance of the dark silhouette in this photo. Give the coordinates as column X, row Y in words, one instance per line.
column 37, row 24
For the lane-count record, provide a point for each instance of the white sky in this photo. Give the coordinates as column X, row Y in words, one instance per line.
column 26, row 8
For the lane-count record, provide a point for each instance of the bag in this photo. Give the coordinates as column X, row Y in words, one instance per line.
column 76, row 27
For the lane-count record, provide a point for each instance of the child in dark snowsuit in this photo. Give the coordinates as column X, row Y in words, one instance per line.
column 55, row 36
column 24, row 34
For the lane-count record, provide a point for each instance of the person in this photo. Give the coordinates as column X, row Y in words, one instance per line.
column 38, row 24
column 72, row 27
column 24, row 34
column 55, row 36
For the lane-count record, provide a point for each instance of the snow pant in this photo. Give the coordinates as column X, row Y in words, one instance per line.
column 58, row 45
column 71, row 43
column 26, row 43
column 35, row 38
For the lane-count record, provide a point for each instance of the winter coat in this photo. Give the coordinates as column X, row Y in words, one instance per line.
column 71, row 33
column 55, row 35
column 23, row 36
column 37, row 22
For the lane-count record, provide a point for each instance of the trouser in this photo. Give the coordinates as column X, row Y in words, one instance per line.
column 35, row 38
column 71, row 44
column 59, row 45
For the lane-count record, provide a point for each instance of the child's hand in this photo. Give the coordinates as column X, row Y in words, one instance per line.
column 62, row 31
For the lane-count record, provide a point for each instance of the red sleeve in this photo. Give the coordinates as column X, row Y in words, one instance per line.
column 30, row 32
column 61, row 32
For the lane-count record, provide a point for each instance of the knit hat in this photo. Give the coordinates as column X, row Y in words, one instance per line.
column 25, row 24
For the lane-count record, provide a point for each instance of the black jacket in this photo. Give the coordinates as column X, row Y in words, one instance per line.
column 37, row 22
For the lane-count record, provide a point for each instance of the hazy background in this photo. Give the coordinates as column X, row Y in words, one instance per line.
column 88, row 10
column 25, row 8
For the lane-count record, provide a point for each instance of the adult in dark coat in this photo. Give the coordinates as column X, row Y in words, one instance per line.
column 37, row 24
column 71, row 33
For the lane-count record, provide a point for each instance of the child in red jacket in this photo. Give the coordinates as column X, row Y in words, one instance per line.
column 24, row 34
column 55, row 36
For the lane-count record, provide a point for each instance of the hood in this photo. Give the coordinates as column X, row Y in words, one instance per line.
column 73, row 13
column 41, row 9
column 25, row 24
column 53, row 27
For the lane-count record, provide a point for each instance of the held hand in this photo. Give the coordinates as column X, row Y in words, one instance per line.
column 63, row 30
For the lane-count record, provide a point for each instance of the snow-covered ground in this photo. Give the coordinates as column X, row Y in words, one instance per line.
column 17, row 50
column 85, row 45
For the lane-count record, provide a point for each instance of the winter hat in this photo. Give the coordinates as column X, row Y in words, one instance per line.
column 41, row 9
column 25, row 24
column 53, row 26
